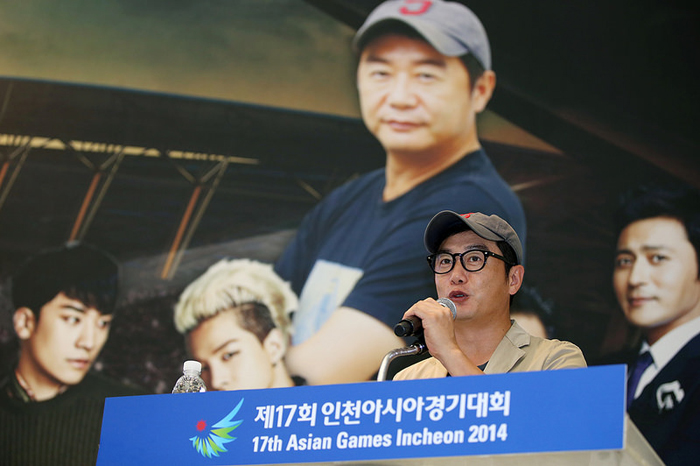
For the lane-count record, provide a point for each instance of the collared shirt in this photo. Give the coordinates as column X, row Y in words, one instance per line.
column 14, row 389
column 665, row 349
column 518, row 351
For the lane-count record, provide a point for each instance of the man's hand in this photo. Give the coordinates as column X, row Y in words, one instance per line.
column 439, row 333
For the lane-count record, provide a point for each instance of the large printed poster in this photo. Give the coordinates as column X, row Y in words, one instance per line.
column 176, row 134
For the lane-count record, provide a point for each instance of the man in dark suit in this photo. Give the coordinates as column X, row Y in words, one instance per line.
column 657, row 283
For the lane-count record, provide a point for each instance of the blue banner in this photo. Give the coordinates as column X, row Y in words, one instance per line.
column 563, row 410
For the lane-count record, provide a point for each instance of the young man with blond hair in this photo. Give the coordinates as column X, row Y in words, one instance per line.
column 235, row 318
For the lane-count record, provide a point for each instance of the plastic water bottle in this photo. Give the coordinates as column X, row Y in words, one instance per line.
column 190, row 382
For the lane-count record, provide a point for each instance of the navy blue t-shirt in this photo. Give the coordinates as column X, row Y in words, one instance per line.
column 355, row 250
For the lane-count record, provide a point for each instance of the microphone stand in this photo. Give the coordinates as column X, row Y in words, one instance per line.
column 418, row 347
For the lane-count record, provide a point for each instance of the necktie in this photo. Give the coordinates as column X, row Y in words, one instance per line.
column 643, row 361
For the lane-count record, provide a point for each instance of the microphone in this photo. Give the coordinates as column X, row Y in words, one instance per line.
column 413, row 327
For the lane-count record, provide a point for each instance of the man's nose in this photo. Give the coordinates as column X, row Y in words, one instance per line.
column 458, row 274
column 401, row 94
column 87, row 336
column 219, row 379
column 639, row 273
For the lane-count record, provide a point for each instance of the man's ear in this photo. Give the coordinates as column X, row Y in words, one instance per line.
column 24, row 322
column 515, row 278
column 275, row 345
column 483, row 90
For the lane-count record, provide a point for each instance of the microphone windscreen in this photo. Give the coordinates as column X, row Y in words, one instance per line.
column 449, row 305
column 408, row 327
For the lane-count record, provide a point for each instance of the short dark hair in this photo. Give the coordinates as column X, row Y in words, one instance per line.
column 508, row 252
column 529, row 301
column 474, row 68
column 78, row 270
column 256, row 318
column 511, row 259
column 678, row 201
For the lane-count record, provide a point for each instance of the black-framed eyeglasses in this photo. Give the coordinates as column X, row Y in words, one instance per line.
column 472, row 261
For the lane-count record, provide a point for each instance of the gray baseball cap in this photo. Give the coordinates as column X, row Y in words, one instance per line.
column 490, row 227
column 450, row 27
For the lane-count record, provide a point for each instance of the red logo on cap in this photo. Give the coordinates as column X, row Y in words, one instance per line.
column 466, row 215
column 415, row 7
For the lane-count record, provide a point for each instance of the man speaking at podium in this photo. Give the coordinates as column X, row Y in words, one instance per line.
column 477, row 261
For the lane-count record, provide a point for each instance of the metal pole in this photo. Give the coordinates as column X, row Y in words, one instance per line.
column 416, row 348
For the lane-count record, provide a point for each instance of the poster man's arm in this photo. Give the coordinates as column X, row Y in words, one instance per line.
column 349, row 347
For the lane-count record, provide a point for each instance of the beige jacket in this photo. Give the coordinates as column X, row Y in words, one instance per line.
column 518, row 351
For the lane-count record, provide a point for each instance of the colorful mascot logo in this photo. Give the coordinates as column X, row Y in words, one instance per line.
column 211, row 441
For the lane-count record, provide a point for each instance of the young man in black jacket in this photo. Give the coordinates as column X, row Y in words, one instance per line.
column 50, row 404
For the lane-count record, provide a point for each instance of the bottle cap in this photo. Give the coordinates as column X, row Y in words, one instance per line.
column 195, row 366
